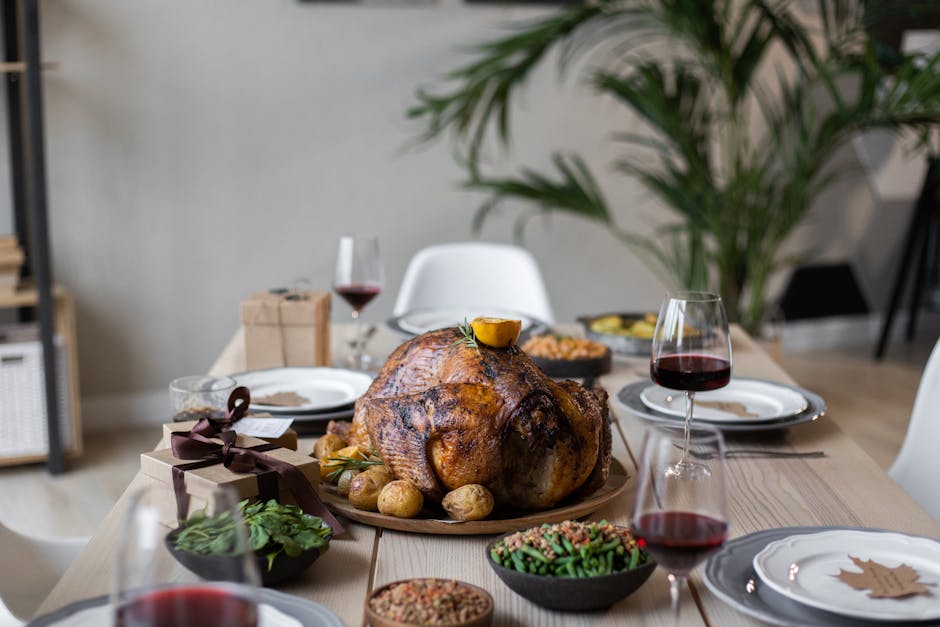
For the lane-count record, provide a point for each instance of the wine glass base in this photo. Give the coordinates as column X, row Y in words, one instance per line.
column 688, row 471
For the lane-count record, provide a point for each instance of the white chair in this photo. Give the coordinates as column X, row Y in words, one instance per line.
column 475, row 275
column 31, row 567
column 917, row 465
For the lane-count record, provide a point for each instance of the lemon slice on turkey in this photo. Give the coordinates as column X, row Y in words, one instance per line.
column 496, row 332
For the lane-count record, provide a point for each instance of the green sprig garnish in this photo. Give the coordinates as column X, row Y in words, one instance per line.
column 350, row 463
column 468, row 337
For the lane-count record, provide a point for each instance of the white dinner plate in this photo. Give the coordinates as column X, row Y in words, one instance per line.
column 804, row 568
column 743, row 399
column 628, row 399
column 420, row 321
column 324, row 388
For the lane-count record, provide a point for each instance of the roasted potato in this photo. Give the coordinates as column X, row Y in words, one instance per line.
column 469, row 502
column 401, row 499
column 334, row 461
column 365, row 487
column 327, row 444
column 345, row 480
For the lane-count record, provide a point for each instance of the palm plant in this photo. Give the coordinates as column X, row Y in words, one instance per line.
column 808, row 83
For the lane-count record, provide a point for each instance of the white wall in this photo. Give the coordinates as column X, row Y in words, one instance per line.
column 199, row 150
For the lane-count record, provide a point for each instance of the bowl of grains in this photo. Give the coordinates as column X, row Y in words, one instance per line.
column 429, row 601
column 562, row 356
column 572, row 565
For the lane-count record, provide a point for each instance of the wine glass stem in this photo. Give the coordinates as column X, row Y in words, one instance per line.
column 357, row 347
column 675, row 588
column 689, row 406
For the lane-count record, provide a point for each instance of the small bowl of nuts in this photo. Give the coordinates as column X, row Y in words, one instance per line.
column 429, row 601
column 562, row 356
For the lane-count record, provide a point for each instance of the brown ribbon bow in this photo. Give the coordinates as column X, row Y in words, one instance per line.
column 197, row 445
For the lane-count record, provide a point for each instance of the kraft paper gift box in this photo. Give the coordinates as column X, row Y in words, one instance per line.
column 287, row 440
column 286, row 329
column 201, row 483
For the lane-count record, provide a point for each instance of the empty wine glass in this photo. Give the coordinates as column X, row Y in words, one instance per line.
column 151, row 590
column 691, row 351
column 682, row 519
column 358, row 279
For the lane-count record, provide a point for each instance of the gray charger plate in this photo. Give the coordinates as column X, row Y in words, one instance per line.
column 729, row 574
column 309, row 613
column 629, row 399
column 537, row 327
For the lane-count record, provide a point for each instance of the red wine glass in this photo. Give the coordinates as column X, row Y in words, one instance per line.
column 691, row 350
column 359, row 278
column 682, row 519
column 152, row 590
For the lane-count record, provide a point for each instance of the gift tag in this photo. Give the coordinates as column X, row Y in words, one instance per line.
column 262, row 427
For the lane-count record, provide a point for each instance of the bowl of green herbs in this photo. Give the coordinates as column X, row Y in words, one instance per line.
column 285, row 540
column 572, row 565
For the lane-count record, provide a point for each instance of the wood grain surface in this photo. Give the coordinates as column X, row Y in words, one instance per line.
column 427, row 523
column 844, row 488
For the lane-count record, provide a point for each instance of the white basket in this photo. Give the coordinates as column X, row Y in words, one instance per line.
column 23, row 427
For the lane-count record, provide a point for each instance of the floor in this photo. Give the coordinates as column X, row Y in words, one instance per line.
column 870, row 400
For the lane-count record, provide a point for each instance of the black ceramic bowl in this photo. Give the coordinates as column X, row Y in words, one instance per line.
column 214, row 568
column 572, row 594
column 574, row 368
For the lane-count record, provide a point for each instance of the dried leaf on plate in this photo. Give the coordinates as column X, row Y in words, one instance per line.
column 282, row 399
column 883, row 582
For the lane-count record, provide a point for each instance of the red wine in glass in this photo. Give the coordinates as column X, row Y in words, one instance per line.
column 358, row 296
column 681, row 516
column 691, row 372
column 680, row 540
column 358, row 279
column 188, row 607
column 691, row 352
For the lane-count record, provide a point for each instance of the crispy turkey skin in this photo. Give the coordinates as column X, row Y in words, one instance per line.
column 443, row 414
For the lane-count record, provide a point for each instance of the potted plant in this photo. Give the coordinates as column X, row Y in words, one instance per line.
column 743, row 107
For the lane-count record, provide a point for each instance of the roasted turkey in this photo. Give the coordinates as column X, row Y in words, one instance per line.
column 443, row 413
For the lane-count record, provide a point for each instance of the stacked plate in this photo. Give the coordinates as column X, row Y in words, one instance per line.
column 418, row 321
column 789, row 576
column 313, row 395
column 743, row 405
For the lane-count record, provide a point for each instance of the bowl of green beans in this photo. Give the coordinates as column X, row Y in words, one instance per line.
column 572, row 565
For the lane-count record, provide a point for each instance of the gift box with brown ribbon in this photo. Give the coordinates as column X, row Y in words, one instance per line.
column 287, row 440
column 211, row 455
column 199, row 483
column 286, row 328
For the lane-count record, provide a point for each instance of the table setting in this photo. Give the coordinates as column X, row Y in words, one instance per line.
column 680, row 502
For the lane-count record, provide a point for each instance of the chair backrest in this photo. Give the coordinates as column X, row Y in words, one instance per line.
column 31, row 567
column 474, row 274
column 917, row 465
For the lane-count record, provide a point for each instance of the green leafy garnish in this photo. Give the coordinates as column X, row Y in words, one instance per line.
column 273, row 528
column 468, row 336
column 346, row 463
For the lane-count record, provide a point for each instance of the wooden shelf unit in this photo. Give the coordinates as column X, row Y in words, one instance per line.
column 19, row 20
column 65, row 329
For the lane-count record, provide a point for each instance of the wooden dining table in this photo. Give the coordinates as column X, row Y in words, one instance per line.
column 844, row 488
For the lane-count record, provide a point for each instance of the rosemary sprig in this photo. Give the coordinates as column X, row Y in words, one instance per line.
column 350, row 463
column 468, row 336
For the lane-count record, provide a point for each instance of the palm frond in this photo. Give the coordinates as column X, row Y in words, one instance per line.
column 733, row 195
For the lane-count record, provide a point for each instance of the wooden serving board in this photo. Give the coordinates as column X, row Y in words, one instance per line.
column 428, row 521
